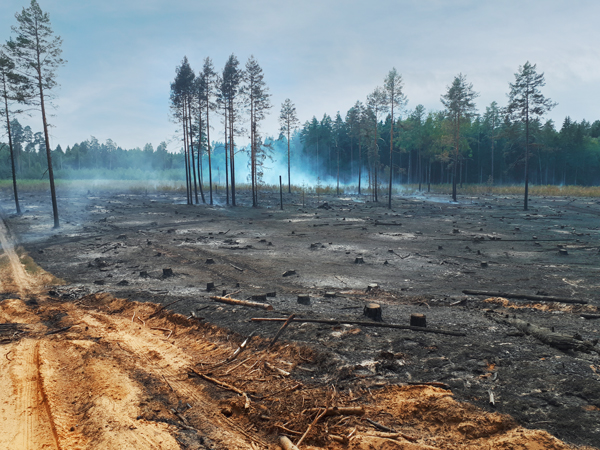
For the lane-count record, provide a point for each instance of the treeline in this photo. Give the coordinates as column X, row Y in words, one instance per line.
column 492, row 146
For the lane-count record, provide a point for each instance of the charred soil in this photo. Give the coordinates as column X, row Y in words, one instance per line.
column 108, row 323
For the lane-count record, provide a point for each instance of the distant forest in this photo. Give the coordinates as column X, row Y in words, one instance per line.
column 567, row 155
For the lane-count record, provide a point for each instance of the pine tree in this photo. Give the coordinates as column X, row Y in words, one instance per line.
column 208, row 86
column 230, row 88
column 13, row 88
column 526, row 103
column 459, row 105
column 257, row 103
column 288, row 120
column 395, row 99
column 36, row 52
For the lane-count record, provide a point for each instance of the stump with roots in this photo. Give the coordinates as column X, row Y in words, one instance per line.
column 373, row 311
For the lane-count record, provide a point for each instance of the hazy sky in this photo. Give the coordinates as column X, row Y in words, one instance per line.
column 324, row 55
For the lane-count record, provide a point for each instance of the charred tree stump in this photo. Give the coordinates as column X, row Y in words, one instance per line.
column 418, row 320
column 210, row 286
column 304, row 299
column 359, row 260
column 210, row 261
column 167, row 273
column 373, row 311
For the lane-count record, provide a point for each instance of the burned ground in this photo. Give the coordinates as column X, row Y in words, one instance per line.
column 421, row 254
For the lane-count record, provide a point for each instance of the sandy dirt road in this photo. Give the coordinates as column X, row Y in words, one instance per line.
column 97, row 372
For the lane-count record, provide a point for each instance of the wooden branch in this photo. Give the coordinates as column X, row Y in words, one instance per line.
column 430, row 383
column 283, row 327
column 381, row 427
column 312, row 424
column 159, row 310
column 233, row 301
column 537, row 298
column 286, row 444
column 219, row 383
column 392, row 435
column 365, row 324
column 341, row 411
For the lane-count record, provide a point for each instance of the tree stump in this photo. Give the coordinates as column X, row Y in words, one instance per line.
column 373, row 311
column 330, row 294
column 167, row 273
column 304, row 299
column 359, row 260
column 418, row 320
column 484, row 263
column 144, row 274
column 210, row 261
column 563, row 252
column 210, row 286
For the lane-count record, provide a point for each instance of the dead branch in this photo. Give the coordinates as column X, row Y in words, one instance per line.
column 365, row 324
column 233, row 301
column 283, row 327
column 277, row 369
column 395, row 435
column 538, row 298
column 235, row 354
column 236, row 267
column 286, row 444
column 219, row 383
column 159, row 310
column 430, row 383
column 312, row 424
column 381, row 427
column 341, row 411
column 162, row 329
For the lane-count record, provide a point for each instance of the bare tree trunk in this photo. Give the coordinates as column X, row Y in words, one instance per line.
column 208, row 149
column 12, row 154
column 48, row 155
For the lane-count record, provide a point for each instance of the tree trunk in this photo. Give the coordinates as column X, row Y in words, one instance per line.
column 48, row 154
column 12, row 154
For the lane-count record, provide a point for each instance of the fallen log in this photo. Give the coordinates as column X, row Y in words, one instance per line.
column 537, row 298
column 233, row 301
column 365, row 324
column 590, row 316
column 547, row 336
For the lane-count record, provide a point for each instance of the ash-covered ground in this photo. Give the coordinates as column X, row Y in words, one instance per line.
column 421, row 254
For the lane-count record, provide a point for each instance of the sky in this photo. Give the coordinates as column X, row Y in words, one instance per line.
column 322, row 54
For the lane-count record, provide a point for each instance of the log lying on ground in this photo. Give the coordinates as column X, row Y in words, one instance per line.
column 365, row 324
column 233, row 301
column 547, row 336
column 537, row 298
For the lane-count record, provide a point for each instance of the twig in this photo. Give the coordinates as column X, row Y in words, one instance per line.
column 310, row 426
column 283, row 327
column 8, row 353
column 168, row 384
column 60, row 330
column 140, row 319
column 221, row 384
column 159, row 310
column 163, row 329
column 381, row 427
column 236, row 267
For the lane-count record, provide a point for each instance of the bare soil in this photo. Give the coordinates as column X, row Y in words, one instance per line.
column 91, row 360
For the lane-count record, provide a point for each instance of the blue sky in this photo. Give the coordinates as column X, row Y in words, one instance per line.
column 324, row 55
